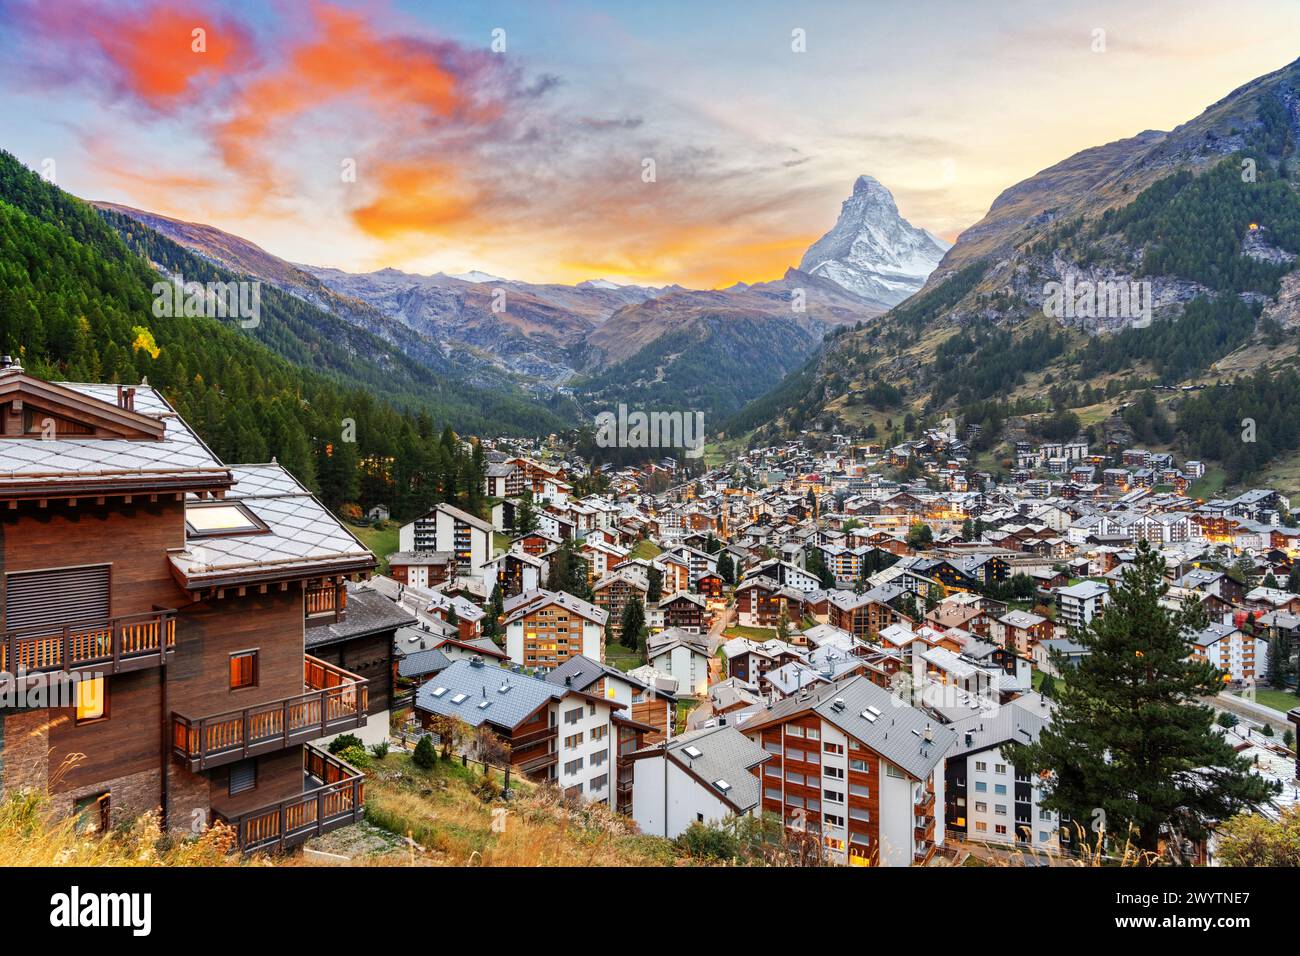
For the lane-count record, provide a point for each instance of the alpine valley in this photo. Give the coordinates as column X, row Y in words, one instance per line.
column 1203, row 220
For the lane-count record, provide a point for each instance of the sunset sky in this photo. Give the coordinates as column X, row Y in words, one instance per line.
column 528, row 163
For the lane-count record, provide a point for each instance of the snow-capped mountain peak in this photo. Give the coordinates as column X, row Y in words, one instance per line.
column 872, row 251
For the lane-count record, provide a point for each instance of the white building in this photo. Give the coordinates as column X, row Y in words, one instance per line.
column 1079, row 603
column 704, row 776
column 990, row 801
column 683, row 656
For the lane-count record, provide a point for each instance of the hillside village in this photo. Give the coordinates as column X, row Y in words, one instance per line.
column 791, row 645
column 814, row 640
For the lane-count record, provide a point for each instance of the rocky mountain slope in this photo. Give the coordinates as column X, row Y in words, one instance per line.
column 872, row 251
column 600, row 341
column 1200, row 224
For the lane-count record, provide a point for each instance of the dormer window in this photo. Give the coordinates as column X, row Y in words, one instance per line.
column 220, row 518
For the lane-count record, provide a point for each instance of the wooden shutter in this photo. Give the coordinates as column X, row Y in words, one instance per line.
column 51, row 599
column 243, row 776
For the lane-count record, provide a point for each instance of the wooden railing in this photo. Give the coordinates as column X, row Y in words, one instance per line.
column 127, row 642
column 336, row 700
column 326, row 600
column 337, row 802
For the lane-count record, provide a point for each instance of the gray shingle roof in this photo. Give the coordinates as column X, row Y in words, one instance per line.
column 725, row 755
column 302, row 532
column 897, row 733
column 110, row 459
column 1018, row 722
column 423, row 662
column 511, row 697
column 369, row 612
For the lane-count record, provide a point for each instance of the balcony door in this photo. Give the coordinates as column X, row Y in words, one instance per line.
column 53, row 598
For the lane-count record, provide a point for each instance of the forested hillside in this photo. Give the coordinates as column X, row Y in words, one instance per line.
column 76, row 304
column 1203, row 221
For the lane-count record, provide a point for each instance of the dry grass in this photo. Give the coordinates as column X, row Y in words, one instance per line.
column 452, row 825
column 32, row 834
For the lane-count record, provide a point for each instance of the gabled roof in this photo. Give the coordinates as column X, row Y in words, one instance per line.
column 460, row 689
column 147, row 448
column 526, row 604
column 720, row 759
column 896, row 731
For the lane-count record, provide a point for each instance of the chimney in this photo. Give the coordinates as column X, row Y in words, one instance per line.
column 126, row 398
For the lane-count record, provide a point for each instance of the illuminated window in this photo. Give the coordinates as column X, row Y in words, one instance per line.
column 92, row 699
column 226, row 518
column 243, row 670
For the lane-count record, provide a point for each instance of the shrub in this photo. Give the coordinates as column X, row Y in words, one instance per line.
column 380, row 750
column 425, row 756
column 708, row 842
column 487, row 788
column 343, row 742
column 356, row 756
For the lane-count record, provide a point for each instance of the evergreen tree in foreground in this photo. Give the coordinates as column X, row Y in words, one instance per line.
column 1132, row 752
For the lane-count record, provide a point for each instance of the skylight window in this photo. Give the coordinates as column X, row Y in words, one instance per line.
column 484, row 704
column 226, row 518
column 722, row 785
column 693, row 752
column 439, row 692
column 868, row 716
column 459, row 698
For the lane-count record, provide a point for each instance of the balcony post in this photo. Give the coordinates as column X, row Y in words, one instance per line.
column 284, row 721
column 67, row 647
column 320, row 812
column 324, row 704
column 244, row 731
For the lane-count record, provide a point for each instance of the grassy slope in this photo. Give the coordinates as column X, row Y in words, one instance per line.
column 453, row 826
column 381, row 541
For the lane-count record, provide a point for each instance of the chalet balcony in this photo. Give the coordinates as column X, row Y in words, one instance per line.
column 536, row 764
column 335, row 700
column 334, row 798
column 114, row 645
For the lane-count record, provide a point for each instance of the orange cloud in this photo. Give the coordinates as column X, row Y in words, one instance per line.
column 414, row 198
column 159, row 53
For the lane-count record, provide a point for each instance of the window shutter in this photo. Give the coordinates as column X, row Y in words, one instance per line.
column 243, row 776
column 51, row 599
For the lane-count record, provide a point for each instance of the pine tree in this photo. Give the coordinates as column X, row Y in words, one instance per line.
column 525, row 515
column 1130, row 744
column 633, row 623
column 655, row 591
column 726, row 568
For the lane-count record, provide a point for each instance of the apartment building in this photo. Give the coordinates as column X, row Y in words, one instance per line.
column 546, row 628
column 856, row 770
column 1242, row 658
column 989, row 800
column 1078, row 604
column 449, row 529
column 556, row 734
column 163, row 597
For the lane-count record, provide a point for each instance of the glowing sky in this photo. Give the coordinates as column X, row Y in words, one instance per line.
column 530, row 162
